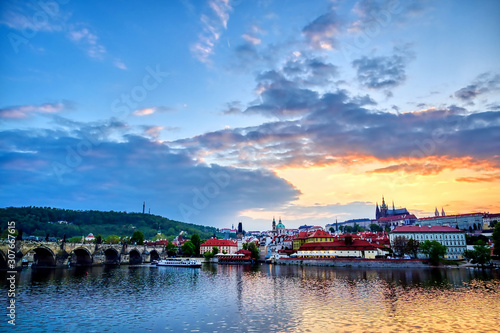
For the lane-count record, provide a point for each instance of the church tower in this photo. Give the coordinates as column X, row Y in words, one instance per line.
column 377, row 212
column 274, row 225
column 436, row 212
column 442, row 212
column 383, row 208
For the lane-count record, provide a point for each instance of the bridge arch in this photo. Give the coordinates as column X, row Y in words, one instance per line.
column 44, row 257
column 135, row 257
column 154, row 255
column 112, row 257
column 81, row 257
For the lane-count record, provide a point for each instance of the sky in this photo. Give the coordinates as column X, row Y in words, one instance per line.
column 215, row 112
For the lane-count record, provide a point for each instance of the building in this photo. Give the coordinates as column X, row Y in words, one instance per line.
column 228, row 246
column 453, row 238
column 384, row 210
column 348, row 247
column 488, row 219
column 467, row 222
column 397, row 220
column 90, row 238
column 280, row 228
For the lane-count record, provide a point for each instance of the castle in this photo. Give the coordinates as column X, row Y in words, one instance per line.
column 384, row 210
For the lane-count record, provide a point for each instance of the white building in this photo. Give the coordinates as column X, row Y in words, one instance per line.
column 453, row 238
column 467, row 222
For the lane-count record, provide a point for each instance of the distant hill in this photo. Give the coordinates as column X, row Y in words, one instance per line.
column 40, row 221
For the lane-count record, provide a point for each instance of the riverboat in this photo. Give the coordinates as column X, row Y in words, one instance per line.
column 179, row 263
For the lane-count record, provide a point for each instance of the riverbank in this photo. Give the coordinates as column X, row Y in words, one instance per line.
column 372, row 263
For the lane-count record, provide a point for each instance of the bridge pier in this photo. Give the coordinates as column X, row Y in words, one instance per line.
column 53, row 254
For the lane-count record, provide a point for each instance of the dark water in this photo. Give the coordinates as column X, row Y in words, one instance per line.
column 266, row 298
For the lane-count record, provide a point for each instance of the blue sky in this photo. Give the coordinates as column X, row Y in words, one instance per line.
column 223, row 111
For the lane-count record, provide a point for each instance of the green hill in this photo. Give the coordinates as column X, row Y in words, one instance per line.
column 40, row 221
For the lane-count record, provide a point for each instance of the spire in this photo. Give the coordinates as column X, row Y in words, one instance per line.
column 436, row 212
column 442, row 212
column 393, row 206
column 383, row 201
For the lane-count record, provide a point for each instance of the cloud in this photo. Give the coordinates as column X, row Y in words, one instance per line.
column 418, row 168
column 332, row 127
column 251, row 39
column 382, row 72
column 102, row 166
column 212, row 27
column 120, row 64
column 374, row 15
column 484, row 83
column 321, row 33
column 88, row 41
column 25, row 111
column 485, row 179
column 26, row 17
column 151, row 110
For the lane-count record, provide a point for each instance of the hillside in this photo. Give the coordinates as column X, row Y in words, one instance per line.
column 40, row 221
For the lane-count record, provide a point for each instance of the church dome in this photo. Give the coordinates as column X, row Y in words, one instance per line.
column 280, row 225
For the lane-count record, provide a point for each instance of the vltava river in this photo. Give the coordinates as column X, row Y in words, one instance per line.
column 266, row 298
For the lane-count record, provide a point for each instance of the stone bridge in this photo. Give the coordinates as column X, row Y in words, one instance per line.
column 56, row 254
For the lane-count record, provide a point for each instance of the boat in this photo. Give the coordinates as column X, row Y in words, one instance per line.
column 179, row 263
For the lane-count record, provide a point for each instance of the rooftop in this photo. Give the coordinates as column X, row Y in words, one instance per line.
column 412, row 228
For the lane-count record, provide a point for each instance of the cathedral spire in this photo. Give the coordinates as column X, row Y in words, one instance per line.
column 442, row 212
column 393, row 206
column 436, row 212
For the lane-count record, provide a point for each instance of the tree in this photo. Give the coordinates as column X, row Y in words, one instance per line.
column 75, row 239
column 479, row 255
column 496, row 240
column 171, row 249
column 215, row 250
column 412, row 247
column 196, row 240
column 137, row 237
column 252, row 247
column 188, row 248
column 113, row 239
column 332, row 230
column 158, row 237
column 374, row 227
column 434, row 250
column 398, row 245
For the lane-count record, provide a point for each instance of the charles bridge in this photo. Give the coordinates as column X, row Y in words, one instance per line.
column 61, row 254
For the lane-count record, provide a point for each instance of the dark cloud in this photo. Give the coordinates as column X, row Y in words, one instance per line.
column 484, row 83
column 321, row 33
column 336, row 126
column 381, row 72
column 86, row 169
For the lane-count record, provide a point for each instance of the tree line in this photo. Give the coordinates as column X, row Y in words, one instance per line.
column 55, row 222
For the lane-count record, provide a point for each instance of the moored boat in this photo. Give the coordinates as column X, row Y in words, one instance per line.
column 179, row 262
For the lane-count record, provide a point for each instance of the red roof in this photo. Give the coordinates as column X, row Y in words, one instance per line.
column 219, row 242
column 397, row 217
column 320, row 233
column 302, row 235
column 413, row 228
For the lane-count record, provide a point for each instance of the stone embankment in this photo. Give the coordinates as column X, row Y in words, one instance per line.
column 375, row 263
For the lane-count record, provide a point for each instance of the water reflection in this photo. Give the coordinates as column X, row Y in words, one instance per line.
column 264, row 298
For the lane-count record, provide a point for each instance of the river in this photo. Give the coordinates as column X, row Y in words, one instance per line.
column 264, row 298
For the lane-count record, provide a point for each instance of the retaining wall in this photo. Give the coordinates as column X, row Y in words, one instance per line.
column 393, row 263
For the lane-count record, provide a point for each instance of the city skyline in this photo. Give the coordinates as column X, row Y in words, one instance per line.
column 226, row 111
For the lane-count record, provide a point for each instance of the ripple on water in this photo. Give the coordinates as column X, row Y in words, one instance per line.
column 269, row 298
